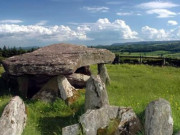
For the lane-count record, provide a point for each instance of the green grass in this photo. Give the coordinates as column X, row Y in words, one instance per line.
column 131, row 85
column 137, row 85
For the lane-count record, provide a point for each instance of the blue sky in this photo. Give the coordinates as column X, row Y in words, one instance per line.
column 88, row 22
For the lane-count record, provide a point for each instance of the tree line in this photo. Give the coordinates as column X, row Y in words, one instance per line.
column 172, row 46
column 6, row 52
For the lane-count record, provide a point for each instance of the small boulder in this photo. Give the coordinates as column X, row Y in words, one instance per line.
column 158, row 118
column 71, row 130
column 13, row 119
column 96, row 94
column 78, row 80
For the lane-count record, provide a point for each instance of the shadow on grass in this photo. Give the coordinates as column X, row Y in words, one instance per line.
column 54, row 125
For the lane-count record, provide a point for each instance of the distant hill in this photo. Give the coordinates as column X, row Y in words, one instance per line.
column 145, row 46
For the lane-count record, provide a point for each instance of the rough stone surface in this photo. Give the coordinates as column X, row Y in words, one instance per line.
column 78, row 80
column 92, row 120
column 56, row 59
column 71, row 130
column 66, row 89
column 129, row 123
column 13, row 119
column 102, row 71
column 158, row 118
column 96, row 94
column 49, row 92
column 56, row 87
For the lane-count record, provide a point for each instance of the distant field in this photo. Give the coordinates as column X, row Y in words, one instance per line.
column 154, row 53
column 131, row 85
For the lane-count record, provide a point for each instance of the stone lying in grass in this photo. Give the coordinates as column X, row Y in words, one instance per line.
column 98, row 121
column 158, row 118
column 13, row 119
column 72, row 130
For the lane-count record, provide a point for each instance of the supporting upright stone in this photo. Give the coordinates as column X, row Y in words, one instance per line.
column 13, row 119
column 96, row 94
column 102, row 71
column 158, row 118
column 23, row 83
column 57, row 86
column 66, row 89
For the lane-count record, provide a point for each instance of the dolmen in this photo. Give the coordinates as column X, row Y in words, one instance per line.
column 56, row 70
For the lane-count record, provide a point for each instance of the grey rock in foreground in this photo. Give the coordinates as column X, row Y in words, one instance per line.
column 102, row 71
column 158, row 118
column 71, row 130
column 13, row 119
column 93, row 120
column 96, row 94
column 57, row 59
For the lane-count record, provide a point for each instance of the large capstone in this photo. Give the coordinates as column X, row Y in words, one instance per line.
column 13, row 119
column 57, row 59
column 158, row 118
column 96, row 94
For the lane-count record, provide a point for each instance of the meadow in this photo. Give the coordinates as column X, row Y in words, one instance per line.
column 131, row 85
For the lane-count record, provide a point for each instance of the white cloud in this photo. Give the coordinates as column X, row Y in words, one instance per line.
column 41, row 23
column 157, row 5
column 118, row 27
column 54, row 33
column 154, row 34
column 124, row 13
column 162, row 13
column 96, row 9
column 172, row 22
column 11, row 21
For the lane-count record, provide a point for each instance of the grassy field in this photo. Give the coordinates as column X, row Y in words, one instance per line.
column 131, row 85
column 154, row 53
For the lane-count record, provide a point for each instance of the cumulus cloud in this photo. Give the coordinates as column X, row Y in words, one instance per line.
column 11, row 21
column 162, row 13
column 172, row 22
column 157, row 5
column 54, row 33
column 102, row 31
column 96, row 9
column 118, row 27
column 154, row 34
